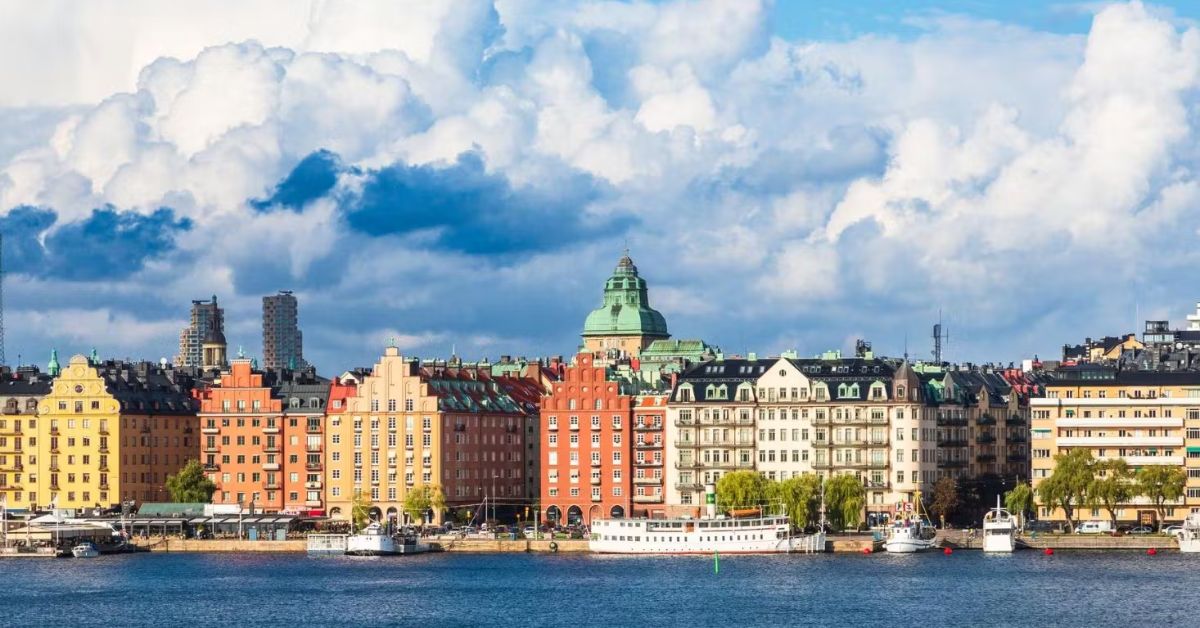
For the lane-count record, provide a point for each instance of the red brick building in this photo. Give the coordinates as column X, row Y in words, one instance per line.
column 649, row 416
column 586, row 448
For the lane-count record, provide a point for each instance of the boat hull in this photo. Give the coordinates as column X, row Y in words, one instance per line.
column 767, row 535
column 1189, row 546
column 998, row 541
column 370, row 545
column 907, row 546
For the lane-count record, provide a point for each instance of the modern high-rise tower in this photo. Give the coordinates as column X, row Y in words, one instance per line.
column 205, row 315
column 283, row 343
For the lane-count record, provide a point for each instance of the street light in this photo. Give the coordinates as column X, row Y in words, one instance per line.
column 494, row 476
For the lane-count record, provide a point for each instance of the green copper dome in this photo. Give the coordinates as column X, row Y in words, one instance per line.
column 626, row 309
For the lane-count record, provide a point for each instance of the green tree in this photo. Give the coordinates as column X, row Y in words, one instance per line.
column 844, row 500
column 1161, row 484
column 190, row 485
column 1019, row 501
column 416, row 502
column 801, row 498
column 742, row 489
column 1067, row 486
column 1112, row 486
column 945, row 498
column 360, row 510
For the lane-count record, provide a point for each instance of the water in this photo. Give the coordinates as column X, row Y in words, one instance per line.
column 967, row 588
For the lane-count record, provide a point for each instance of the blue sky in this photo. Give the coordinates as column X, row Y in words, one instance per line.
column 787, row 175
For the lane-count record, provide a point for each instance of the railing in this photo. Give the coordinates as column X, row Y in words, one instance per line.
column 647, row 499
column 313, row 466
column 687, row 465
column 689, row 486
column 647, row 445
column 986, row 419
column 638, row 480
column 985, row 458
column 984, row 439
column 1017, row 438
column 951, row 464
column 944, row 421
column 952, row 442
column 1017, row 457
column 1016, row 419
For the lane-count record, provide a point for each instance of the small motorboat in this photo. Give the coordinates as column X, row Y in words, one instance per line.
column 85, row 550
column 999, row 530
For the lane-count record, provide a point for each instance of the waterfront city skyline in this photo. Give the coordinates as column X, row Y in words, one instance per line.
column 463, row 177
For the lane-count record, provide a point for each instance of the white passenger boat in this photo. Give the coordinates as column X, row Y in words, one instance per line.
column 999, row 530
column 908, row 535
column 85, row 550
column 1189, row 536
column 754, row 534
column 372, row 540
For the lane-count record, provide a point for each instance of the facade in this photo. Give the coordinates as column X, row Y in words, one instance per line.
column 109, row 432
column 451, row 425
column 205, row 314
column 649, row 455
column 1146, row 418
column 283, row 343
column 20, row 393
column 262, row 438
column 625, row 324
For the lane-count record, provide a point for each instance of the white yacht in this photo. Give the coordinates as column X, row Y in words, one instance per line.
column 85, row 550
column 999, row 530
column 721, row 535
column 909, row 535
column 372, row 540
column 1189, row 536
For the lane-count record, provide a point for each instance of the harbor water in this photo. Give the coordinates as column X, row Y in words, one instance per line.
column 966, row 588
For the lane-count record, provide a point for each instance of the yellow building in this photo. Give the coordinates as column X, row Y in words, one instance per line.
column 20, row 392
column 1145, row 417
column 109, row 432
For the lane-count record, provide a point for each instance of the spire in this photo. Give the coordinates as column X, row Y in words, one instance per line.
column 53, row 367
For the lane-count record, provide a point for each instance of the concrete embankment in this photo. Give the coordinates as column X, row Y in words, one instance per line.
column 493, row 546
column 223, row 545
column 960, row 540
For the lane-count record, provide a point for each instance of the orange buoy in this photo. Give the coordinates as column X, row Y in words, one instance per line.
column 947, row 551
column 1152, row 552
column 1049, row 552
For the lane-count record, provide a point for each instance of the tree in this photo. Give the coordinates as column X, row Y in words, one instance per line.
column 416, row 502
column 1019, row 501
column 1161, row 484
column 1067, row 486
column 190, row 485
column 1112, row 487
column 801, row 498
column 742, row 489
column 945, row 498
column 360, row 510
column 844, row 500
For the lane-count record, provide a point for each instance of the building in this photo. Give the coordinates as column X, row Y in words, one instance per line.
column 283, row 343
column 1109, row 349
column 649, row 455
column 447, row 424
column 21, row 390
column 1144, row 417
column 205, row 315
column 625, row 324
column 262, row 438
column 109, row 432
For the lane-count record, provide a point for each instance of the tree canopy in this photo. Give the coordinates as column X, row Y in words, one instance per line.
column 190, row 485
column 844, row 500
column 801, row 498
column 1067, row 486
column 421, row 499
column 360, row 510
column 1019, row 501
column 945, row 497
column 1161, row 484
column 1111, row 486
column 742, row 489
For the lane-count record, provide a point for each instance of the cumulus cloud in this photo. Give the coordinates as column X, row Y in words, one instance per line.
column 466, row 173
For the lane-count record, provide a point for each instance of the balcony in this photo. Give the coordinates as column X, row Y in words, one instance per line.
column 210, row 430
column 647, row 499
column 637, row 480
column 687, row 465
column 271, row 486
column 951, row 421
column 595, row 463
column 271, row 466
column 313, row 503
column 952, row 441
column 212, row 467
column 596, row 497
column 1141, row 461
column 271, row 430
column 821, row 464
column 595, row 480
column 951, row 464
column 212, row 449
column 1017, row 456
column 647, row 463
column 54, row 431
column 312, row 485
column 681, row 422
column 984, row 439
column 986, row 419
column 1019, row 437
column 575, row 427
column 647, row 445
column 104, row 487
column 313, row 466
column 313, row 429
column 312, row 448
column 640, row 427
column 985, row 458
column 876, row 485
column 688, row 486
column 1016, row 419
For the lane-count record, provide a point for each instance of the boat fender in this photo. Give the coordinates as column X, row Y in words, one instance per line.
column 1151, row 552
column 553, row 547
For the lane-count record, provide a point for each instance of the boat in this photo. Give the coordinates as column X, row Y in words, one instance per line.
column 1189, row 535
column 908, row 535
column 999, row 530
column 85, row 550
column 744, row 531
column 372, row 540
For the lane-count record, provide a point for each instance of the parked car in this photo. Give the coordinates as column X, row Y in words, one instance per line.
column 1043, row 526
column 1094, row 527
column 529, row 531
column 1173, row 530
column 1142, row 530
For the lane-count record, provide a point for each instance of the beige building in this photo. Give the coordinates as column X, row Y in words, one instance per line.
column 409, row 424
column 1145, row 417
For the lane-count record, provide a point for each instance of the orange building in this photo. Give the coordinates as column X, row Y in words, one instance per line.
column 587, row 461
column 649, row 416
column 261, row 437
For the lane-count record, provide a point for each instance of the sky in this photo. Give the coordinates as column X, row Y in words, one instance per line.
column 463, row 176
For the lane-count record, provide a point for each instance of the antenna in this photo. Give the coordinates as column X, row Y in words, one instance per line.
column 2, row 360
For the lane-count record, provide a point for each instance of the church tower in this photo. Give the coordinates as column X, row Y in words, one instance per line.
column 625, row 322
column 212, row 347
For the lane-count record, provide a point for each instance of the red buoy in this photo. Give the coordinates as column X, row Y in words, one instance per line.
column 866, row 550
column 1152, row 552
column 947, row 551
column 1049, row 552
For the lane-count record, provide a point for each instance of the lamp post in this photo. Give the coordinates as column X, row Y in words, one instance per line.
column 494, row 476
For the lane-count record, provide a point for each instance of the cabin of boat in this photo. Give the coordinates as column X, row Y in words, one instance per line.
column 735, row 535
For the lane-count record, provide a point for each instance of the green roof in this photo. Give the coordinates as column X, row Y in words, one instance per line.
column 626, row 310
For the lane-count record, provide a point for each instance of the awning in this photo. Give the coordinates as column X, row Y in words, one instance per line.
column 1193, row 450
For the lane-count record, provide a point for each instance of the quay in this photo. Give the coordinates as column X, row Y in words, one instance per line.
column 958, row 539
